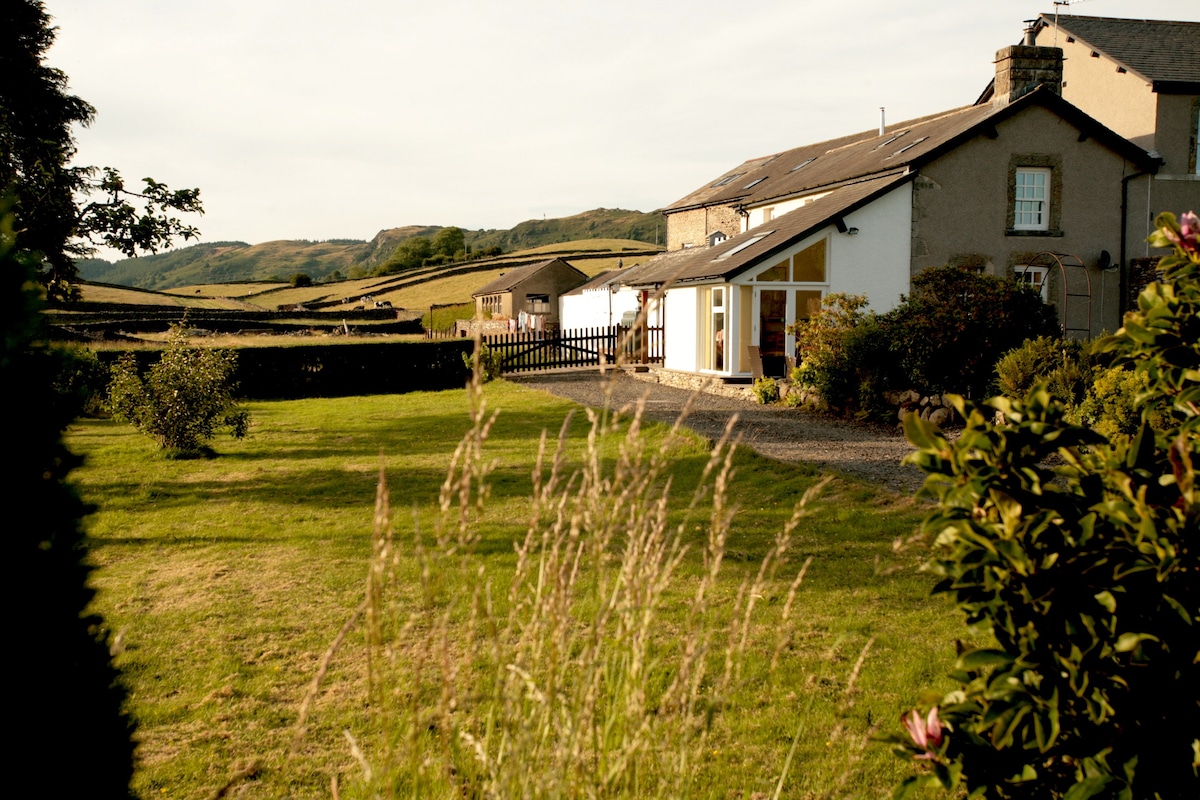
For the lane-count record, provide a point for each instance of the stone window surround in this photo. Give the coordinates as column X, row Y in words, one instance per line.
column 1046, row 161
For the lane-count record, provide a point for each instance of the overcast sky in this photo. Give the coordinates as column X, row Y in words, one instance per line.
column 300, row 119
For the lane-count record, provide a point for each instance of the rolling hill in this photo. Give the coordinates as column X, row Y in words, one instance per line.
column 229, row 262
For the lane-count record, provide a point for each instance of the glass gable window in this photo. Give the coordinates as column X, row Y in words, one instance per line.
column 807, row 266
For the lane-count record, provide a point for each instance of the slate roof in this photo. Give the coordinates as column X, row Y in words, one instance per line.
column 739, row 253
column 905, row 145
column 1161, row 51
column 509, row 280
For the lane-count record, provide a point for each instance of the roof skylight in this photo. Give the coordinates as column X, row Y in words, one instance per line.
column 889, row 141
column 910, row 145
column 755, row 182
column 728, row 180
column 802, row 165
column 752, row 240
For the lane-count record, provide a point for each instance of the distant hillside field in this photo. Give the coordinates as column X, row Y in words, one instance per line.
column 239, row 262
column 417, row 289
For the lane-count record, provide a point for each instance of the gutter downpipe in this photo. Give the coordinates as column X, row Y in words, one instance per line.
column 1123, row 300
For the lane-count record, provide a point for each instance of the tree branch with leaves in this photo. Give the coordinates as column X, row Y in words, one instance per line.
column 54, row 221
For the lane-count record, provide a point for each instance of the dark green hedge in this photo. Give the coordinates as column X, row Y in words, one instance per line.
column 286, row 373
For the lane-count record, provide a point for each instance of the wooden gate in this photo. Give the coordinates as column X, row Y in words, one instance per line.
column 583, row 347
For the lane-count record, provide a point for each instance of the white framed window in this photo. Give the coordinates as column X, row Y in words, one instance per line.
column 1035, row 277
column 713, row 328
column 1031, row 192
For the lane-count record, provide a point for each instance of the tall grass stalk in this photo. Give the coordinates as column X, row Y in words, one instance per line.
column 588, row 665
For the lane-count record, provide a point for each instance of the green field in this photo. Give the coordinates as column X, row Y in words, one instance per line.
column 228, row 579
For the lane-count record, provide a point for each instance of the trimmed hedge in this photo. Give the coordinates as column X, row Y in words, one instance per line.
column 109, row 323
column 289, row 373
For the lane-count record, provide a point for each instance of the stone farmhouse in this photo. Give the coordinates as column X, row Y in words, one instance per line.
column 1024, row 183
column 1141, row 78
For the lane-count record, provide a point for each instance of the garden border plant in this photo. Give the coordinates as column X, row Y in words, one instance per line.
column 933, row 341
column 1076, row 554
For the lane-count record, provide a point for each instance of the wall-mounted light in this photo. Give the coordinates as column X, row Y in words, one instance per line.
column 852, row 231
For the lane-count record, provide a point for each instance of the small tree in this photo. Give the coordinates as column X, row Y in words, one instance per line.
column 185, row 397
column 1078, row 557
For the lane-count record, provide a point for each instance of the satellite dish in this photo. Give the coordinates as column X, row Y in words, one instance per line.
column 1105, row 260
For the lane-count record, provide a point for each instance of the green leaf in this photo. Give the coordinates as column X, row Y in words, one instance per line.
column 1088, row 787
column 1129, row 641
column 982, row 659
column 922, row 434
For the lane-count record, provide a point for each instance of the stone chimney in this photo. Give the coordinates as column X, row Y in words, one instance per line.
column 1022, row 68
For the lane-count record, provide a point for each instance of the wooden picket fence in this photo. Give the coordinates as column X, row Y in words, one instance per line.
column 582, row 347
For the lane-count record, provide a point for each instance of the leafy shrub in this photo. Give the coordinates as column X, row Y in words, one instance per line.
column 945, row 337
column 1041, row 359
column 490, row 362
column 80, row 382
column 868, row 370
column 948, row 334
column 1109, row 404
column 185, row 397
column 1100, row 397
column 1084, row 575
column 766, row 390
column 821, row 347
column 300, row 280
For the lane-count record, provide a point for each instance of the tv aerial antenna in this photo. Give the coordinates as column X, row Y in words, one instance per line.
column 1066, row 4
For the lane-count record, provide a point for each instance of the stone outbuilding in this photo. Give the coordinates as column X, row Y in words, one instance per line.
column 529, row 295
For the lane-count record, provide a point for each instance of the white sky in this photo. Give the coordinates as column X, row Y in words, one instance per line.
column 301, row 119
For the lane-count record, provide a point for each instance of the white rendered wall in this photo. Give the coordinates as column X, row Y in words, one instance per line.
column 586, row 310
column 601, row 308
column 683, row 313
column 875, row 261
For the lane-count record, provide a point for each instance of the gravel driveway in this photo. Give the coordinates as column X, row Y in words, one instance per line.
column 870, row 453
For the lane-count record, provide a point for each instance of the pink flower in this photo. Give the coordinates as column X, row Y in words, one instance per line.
column 925, row 733
column 1188, row 237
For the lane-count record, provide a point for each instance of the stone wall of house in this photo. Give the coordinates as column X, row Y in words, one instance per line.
column 691, row 228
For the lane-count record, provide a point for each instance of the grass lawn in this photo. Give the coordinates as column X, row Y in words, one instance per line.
column 227, row 580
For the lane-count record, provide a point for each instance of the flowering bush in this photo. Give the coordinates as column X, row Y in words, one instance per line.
column 1083, row 570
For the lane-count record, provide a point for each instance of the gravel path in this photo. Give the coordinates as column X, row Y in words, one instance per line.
column 870, row 453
